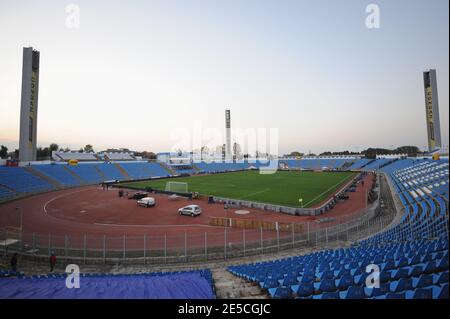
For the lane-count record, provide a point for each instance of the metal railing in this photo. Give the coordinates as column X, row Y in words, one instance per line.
column 189, row 247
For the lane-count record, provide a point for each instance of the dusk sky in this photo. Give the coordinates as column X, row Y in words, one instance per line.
column 133, row 71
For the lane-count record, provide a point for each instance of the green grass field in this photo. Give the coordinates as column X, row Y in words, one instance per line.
column 282, row 188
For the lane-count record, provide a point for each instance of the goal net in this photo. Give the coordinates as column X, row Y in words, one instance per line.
column 176, row 187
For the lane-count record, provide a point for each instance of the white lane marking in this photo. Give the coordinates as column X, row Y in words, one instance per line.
column 335, row 185
column 63, row 195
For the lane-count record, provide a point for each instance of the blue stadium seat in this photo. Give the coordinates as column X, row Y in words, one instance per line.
column 427, row 258
column 327, row 285
column 345, row 282
column 327, row 295
column 354, row 292
column 402, row 262
column 423, row 281
column 443, row 264
column 305, row 290
column 270, row 283
column 398, row 274
column 326, row 275
column 361, row 279
column 374, row 292
column 282, row 293
column 430, row 267
column 401, row 285
column 289, row 281
column 441, row 278
column 415, row 260
column 388, row 265
column 308, row 278
column 416, row 271
column 440, row 292
column 421, row 293
column 386, row 276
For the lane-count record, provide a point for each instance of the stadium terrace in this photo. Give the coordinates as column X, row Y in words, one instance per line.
column 229, row 217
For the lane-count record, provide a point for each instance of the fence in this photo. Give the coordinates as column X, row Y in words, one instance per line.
column 231, row 242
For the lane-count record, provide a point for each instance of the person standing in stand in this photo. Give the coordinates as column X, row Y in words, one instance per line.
column 14, row 262
column 52, row 261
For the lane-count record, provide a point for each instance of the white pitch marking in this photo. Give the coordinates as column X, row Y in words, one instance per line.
column 340, row 182
column 258, row 192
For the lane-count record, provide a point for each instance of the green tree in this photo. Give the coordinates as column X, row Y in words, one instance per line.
column 410, row 150
column 42, row 153
column 150, row 155
column 3, row 151
column 145, row 154
column 88, row 148
column 373, row 152
column 203, row 150
column 296, row 154
column 53, row 147
column 325, row 154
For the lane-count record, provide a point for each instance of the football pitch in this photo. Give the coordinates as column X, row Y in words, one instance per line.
column 282, row 188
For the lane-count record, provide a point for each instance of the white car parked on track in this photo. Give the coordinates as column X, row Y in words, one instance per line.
column 146, row 202
column 191, row 210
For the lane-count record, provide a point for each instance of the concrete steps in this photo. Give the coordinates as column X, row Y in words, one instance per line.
column 168, row 169
column 9, row 188
column 369, row 162
column 229, row 286
column 78, row 178
column 122, row 170
column 347, row 165
column 100, row 172
column 46, row 178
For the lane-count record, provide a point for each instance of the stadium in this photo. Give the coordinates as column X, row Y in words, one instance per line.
column 189, row 225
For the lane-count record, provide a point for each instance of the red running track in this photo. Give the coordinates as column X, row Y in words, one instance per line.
column 96, row 213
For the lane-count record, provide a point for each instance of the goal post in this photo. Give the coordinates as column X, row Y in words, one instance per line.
column 177, row 187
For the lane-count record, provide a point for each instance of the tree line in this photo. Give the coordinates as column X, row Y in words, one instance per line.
column 45, row 153
column 371, row 152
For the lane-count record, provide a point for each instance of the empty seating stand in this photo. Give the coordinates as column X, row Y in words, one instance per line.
column 417, row 269
column 376, row 164
column 359, row 164
column 6, row 193
column 110, row 171
column 19, row 180
column 137, row 170
column 59, row 173
column 87, row 173
column 412, row 256
column 175, row 285
column 16, row 181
